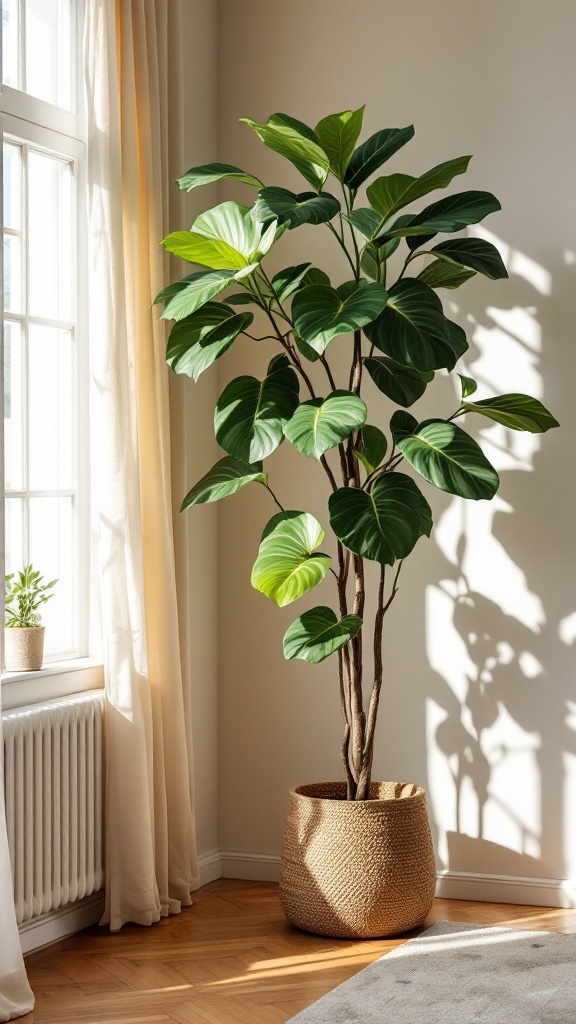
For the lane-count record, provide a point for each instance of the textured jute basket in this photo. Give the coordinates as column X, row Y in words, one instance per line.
column 357, row 869
column 24, row 648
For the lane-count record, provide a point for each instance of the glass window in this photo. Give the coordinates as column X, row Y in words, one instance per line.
column 37, row 45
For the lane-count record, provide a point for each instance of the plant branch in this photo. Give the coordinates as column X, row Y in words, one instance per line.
column 342, row 245
column 281, row 507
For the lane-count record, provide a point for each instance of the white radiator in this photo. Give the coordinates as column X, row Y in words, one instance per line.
column 53, row 779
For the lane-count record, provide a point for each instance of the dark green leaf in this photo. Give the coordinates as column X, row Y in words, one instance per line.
column 370, row 261
column 412, row 328
column 320, row 313
column 208, row 173
column 400, row 383
column 474, row 253
column 456, row 338
column 365, row 220
column 382, row 525
column 286, row 567
column 372, row 447
column 250, row 414
column 287, row 281
column 450, row 214
column 226, row 477
column 242, row 299
column 296, row 142
column 518, row 412
column 314, row 276
column 445, row 274
column 193, row 291
column 446, row 456
column 199, row 339
column 317, row 634
column 402, row 424
column 390, row 194
column 469, row 385
column 289, row 208
column 306, row 350
column 322, row 423
column 338, row 134
column 374, row 152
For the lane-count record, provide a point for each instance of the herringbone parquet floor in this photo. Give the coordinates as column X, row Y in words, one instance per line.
column 231, row 958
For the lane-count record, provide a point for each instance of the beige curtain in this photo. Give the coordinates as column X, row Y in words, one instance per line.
column 16, row 998
column 134, row 62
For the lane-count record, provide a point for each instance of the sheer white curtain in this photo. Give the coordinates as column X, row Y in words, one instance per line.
column 16, row 997
column 132, row 53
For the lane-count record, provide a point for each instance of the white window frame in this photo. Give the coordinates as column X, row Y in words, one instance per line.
column 33, row 122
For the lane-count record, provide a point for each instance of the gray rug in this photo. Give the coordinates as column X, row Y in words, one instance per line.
column 460, row 974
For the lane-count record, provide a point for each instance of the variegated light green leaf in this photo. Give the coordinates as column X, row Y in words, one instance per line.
column 317, row 634
column 382, row 525
column 446, row 456
column 225, row 478
column 288, row 566
column 322, row 423
column 186, row 296
column 208, row 252
column 518, row 412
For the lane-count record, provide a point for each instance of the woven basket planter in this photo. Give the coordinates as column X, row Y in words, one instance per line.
column 24, row 648
column 357, row 869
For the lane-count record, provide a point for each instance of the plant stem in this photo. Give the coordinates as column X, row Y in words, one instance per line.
column 365, row 776
column 326, row 366
column 281, row 507
column 342, row 244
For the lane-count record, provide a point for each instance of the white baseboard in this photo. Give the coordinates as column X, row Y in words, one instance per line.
column 58, row 924
column 210, row 865
column 536, row 892
column 254, row 867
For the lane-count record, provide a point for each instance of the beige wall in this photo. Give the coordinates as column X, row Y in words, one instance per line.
column 479, row 703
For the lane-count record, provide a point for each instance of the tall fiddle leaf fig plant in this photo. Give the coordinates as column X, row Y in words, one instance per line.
column 393, row 331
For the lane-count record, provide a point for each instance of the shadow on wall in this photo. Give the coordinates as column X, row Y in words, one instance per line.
column 500, row 622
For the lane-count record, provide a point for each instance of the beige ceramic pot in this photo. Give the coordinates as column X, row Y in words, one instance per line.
column 357, row 870
column 23, row 648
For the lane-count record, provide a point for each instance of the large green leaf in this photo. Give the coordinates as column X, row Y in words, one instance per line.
column 238, row 227
column 208, row 252
column 518, row 412
column 287, row 566
column 412, row 329
column 446, row 456
column 296, row 142
column 390, row 194
column 225, row 478
column 321, row 313
column 289, row 208
column 208, row 173
column 317, row 634
column 445, row 274
column 400, row 383
column 201, row 338
column 338, row 134
column 188, row 294
column 322, row 423
column 450, row 214
column 365, row 220
column 474, row 253
column 371, row 154
column 250, row 414
column 372, row 447
column 288, row 280
column 382, row 525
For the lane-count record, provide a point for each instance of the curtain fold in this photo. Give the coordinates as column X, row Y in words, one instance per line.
column 132, row 53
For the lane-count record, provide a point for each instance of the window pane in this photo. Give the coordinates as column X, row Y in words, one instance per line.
column 10, row 44
column 14, row 534
column 13, row 274
column 12, row 186
column 49, row 51
column 13, row 407
column 50, row 408
column 51, row 553
column 50, row 243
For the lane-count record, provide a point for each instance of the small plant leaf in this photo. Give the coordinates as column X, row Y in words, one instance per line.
column 199, row 339
column 288, row 566
column 296, row 142
column 469, row 385
column 382, row 525
column 338, row 134
column 372, row 448
column 251, row 414
column 447, row 457
column 475, row 253
column 371, row 154
column 518, row 412
column 322, row 423
column 225, row 478
column 445, row 274
column 291, row 209
column 401, row 384
column 317, row 634
column 208, row 173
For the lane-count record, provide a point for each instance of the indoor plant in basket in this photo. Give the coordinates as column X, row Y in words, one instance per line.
column 357, row 857
column 24, row 633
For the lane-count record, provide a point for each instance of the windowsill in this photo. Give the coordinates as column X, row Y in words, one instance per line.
column 56, row 679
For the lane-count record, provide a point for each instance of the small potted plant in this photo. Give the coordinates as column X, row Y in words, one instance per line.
column 23, row 633
column 358, row 859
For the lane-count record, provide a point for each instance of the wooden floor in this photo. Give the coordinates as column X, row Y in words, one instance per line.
column 229, row 959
